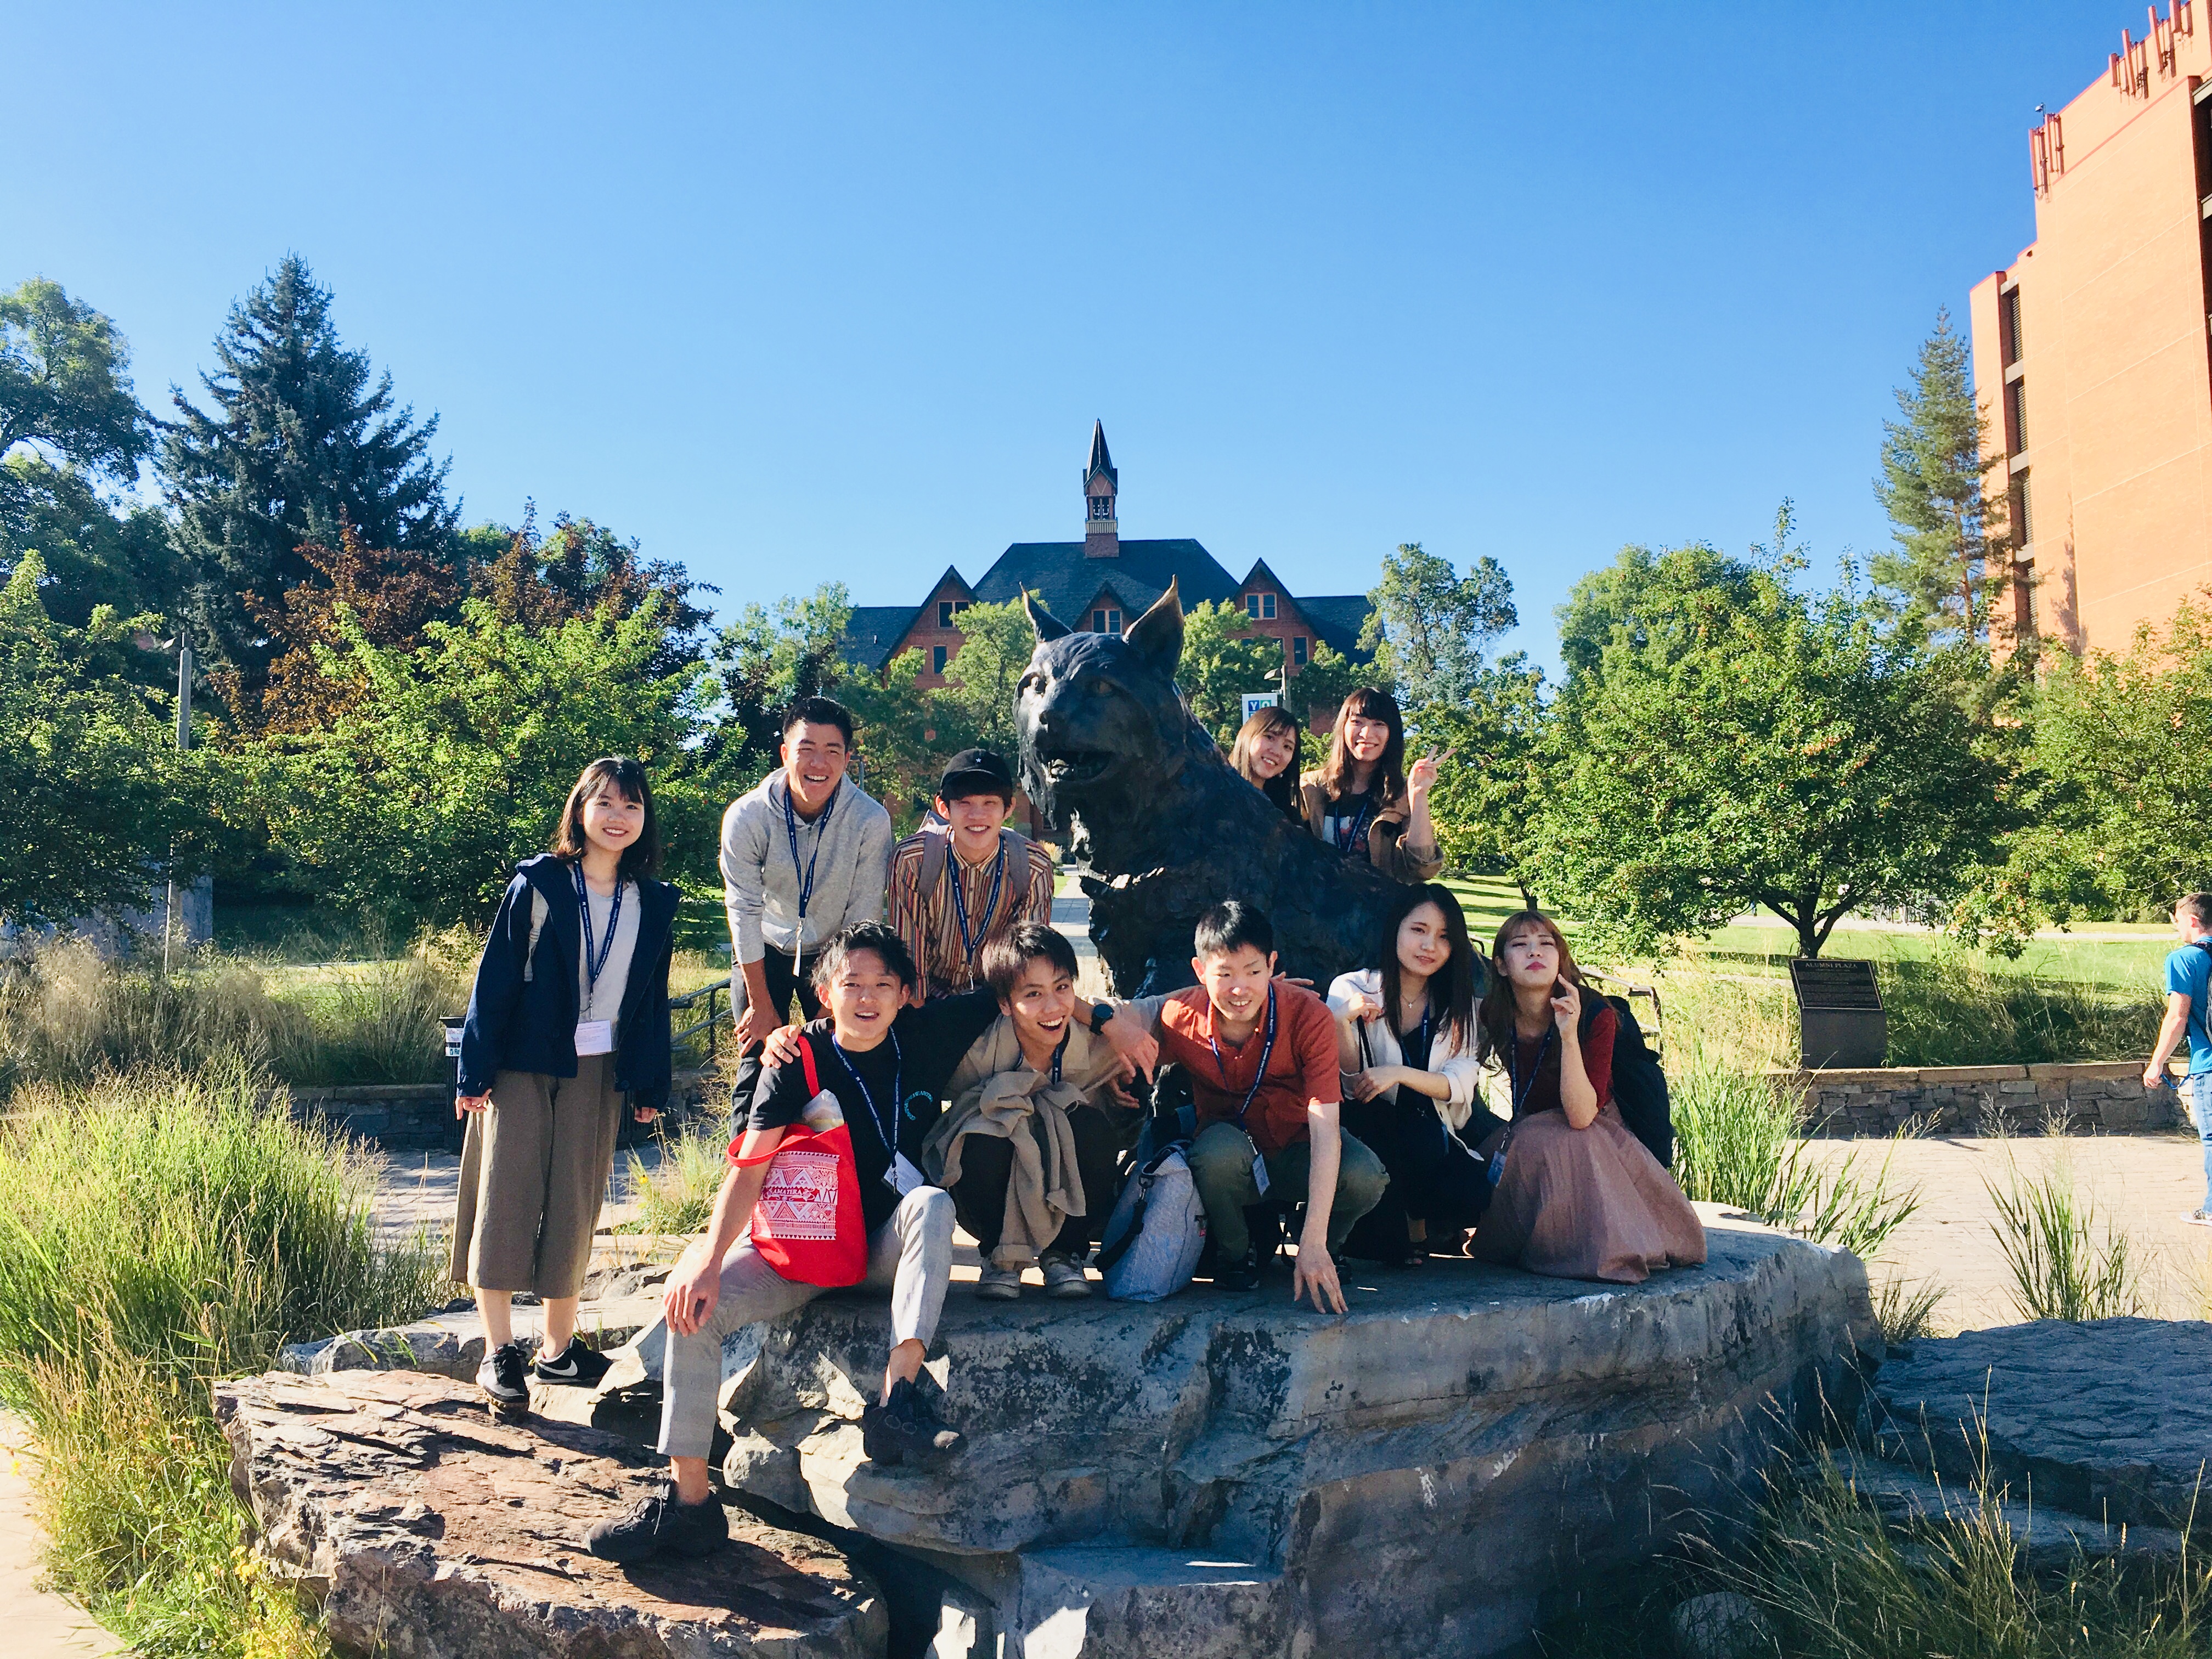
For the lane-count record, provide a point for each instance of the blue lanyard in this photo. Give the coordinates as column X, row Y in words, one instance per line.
column 592, row 964
column 1266, row 1052
column 1512, row 1069
column 887, row 1134
column 960, row 900
column 1346, row 839
column 806, row 875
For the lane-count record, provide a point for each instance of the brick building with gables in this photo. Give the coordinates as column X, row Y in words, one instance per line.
column 1102, row 583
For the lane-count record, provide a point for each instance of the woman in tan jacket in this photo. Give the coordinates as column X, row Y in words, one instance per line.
column 1362, row 802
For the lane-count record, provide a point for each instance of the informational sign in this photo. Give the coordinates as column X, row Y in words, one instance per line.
column 1254, row 701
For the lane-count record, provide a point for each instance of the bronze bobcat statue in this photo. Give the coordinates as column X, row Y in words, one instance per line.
column 1139, row 792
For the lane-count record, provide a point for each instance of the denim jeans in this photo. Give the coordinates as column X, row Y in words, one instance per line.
column 2197, row 1093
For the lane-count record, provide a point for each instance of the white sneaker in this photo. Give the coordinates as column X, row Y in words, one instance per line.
column 999, row 1284
column 1063, row 1277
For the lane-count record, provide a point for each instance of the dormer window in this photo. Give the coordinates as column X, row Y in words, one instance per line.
column 1260, row 607
column 1105, row 621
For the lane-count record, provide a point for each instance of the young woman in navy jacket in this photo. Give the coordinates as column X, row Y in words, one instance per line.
column 569, row 1016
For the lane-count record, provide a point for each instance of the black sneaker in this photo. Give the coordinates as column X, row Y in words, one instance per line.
column 659, row 1524
column 575, row 1364
column 504, row 1377
column 1243, row 1274
column 908, row 1430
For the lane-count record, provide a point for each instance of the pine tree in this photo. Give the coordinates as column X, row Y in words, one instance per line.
column 299, row 442
column 1949, row 565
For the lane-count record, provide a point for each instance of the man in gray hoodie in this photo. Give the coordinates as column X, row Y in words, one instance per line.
column 805, row 855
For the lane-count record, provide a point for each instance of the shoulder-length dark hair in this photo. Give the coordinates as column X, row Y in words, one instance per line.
column 1388, row 781
column 1497, row 1009
column 1282, row 788
column 626, row 777
column 1451, row 991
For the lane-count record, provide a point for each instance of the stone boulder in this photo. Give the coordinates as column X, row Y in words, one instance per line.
column 1227, row 1474
column 431, row 1530
column 2111, row 1420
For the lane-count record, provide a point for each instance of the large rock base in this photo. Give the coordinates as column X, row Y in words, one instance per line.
column 432, row 1530
column 1225, row 1474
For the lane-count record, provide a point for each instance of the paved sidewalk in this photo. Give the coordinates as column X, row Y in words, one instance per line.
column 40, row 1625
column 2140, row 1185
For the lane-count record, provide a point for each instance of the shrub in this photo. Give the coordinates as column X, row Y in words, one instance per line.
column 1952, row 1010
column 1837, row 1583
column 679, row 1196
column 1737, row 1141
column 157, row 1232
column 2058, row 1271
column 68, row 1016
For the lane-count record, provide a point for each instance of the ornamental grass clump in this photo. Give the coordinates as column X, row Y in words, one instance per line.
column 2060, row 1270
column 1738, row 1141
column 158, row 1232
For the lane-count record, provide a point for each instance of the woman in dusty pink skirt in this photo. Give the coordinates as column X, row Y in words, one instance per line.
column 1578, row 1195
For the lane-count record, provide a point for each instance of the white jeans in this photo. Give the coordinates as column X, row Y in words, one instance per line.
column 910, row 1256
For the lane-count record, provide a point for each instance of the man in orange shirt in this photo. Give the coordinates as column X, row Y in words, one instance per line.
column 1262, row 1056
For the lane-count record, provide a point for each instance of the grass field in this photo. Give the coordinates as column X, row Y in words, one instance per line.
column 2064, row 999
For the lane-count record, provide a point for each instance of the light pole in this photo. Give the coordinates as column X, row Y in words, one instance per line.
column 185, row 666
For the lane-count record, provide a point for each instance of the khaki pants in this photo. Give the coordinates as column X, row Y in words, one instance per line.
column 534, row 1169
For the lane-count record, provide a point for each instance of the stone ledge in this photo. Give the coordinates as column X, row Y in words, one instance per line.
column 430, row 1528
column 2106, row 1095
column 1211, row 1475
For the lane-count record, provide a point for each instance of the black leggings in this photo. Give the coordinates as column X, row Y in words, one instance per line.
column 784, row 983
column 987, row 1165
column 1434, row 1177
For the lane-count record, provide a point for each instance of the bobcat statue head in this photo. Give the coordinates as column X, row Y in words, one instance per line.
column 1103, row 726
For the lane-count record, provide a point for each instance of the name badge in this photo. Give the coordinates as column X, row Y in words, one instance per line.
column 1259, row 1172
column 595, row 1036
column 903, row 1178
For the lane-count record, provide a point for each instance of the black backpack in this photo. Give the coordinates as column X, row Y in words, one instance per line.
column 1639, row 1087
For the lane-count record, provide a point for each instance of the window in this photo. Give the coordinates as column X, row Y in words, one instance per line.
column 1105, row 621
column 2012, row 326
column 1299, row 650
column 1102, row 507
column 1252, row 606
column 944, row 613
column 2023, row 515
column 2016, row 406
column 937, row 655
column 1260, row 606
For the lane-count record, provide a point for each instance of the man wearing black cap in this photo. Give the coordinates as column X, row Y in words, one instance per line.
column 955, row 889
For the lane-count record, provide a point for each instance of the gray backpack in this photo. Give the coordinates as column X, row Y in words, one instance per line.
column 1152, row 1240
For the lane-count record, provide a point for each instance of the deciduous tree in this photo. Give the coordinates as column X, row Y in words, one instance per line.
column 91, row 797
column 1738, row 745
column 1430, row 626
column 1222, row 660
column 1498, row 771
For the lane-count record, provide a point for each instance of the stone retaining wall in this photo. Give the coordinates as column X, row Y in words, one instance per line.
column 419, row 1116
column 1974, row 1099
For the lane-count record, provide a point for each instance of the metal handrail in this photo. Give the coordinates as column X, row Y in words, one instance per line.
column 712, row 990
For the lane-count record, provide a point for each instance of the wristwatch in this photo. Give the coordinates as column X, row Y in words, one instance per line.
column 1100, row 1013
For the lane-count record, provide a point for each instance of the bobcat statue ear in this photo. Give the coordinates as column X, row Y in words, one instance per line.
column 1156, row 636
column 1048, row 626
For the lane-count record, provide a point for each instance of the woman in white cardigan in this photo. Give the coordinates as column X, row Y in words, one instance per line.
column 1406, row 1039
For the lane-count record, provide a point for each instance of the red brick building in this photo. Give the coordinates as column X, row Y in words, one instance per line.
column 2091, row 357
column 1103, row 583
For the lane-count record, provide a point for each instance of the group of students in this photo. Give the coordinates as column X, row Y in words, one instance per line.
column 981, row 1091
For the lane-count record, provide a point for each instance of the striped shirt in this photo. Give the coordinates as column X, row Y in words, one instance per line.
column 929, row 923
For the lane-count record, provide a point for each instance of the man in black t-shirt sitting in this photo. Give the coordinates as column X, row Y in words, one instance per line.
column 887, row 1063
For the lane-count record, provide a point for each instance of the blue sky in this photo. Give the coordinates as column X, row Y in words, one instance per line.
column 834, row 290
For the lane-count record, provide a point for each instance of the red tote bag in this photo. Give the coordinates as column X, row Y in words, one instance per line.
column 807, row 1223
